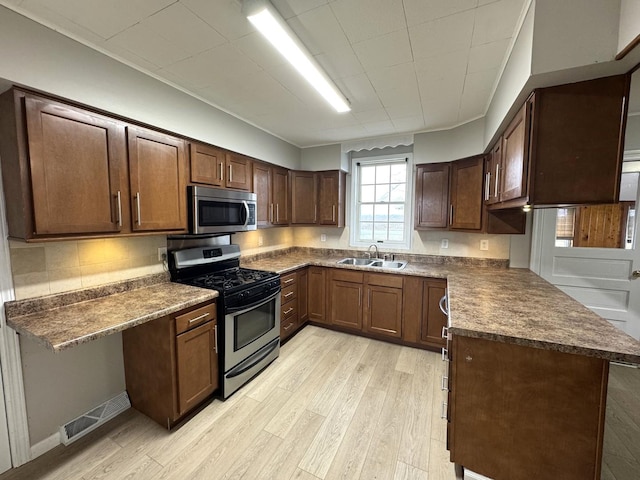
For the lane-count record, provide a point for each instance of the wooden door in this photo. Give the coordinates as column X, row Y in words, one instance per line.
column 207, row 164
column 197, row 365
column 304, row 197
column 383, row 311
column 432, row 196
column 157, row 176
column 280, row 196
column 432, row 319
column 331, row 197
column 492, row 171
column 303, row 295
column 262, row 189
column 466, row 193
column 513, row 171
column 317, row 299
column 76, row 160
column 346, row 304
column 238, row 174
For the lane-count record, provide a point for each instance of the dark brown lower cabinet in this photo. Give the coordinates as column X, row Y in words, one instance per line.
column 317, row 301
column 383, row 305
column 432, row 319
column 345, row 294
column 518, row 412
column 171, row 363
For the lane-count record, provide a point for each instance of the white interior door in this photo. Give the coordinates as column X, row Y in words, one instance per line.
column 599, row 278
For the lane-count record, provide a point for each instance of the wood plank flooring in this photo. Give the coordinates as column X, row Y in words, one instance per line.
column 332, row 406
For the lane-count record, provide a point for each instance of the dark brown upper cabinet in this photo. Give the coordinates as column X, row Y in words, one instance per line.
column 271, row 186
column 466, row 206
column 432, row 195
column 304, row 197
column 214, row 166
column 318, row 198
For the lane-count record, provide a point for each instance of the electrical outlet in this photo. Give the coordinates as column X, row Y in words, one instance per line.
column 162, row 254
column 444, row 243
column 323, row 237
column 484, row 244
column 260, row 240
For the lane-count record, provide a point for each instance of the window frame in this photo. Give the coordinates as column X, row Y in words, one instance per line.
column 354, row 220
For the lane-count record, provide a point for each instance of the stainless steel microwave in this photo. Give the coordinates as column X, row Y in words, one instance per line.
column 215, row 210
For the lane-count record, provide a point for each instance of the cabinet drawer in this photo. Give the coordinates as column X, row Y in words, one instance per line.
column 288, row 279
column 288, row 326
column 348, row 276
column 384, row 280
column 288, row 310
column 195, row 317
column 289, row 293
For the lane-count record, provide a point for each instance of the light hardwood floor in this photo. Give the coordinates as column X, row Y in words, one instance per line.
column 333, row 406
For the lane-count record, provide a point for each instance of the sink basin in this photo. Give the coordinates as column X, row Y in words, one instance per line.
column 372, row 262
column 356, row 261
column 385, row 264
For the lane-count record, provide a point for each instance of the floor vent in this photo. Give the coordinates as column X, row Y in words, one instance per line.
column 91, row 420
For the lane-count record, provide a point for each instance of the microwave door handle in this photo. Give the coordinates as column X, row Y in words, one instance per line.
column 246, row 213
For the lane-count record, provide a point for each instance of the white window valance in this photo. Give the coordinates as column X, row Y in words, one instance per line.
column 379, row 142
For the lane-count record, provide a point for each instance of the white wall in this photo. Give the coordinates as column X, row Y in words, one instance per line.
column 39, row 58
column 446, row 145
column 632, row 135
column 326, row 157
column 629, row 26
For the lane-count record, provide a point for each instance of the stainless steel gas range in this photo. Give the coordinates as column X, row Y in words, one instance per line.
column 249, row 303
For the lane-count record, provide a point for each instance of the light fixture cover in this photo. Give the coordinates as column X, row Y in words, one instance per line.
column 269, row 22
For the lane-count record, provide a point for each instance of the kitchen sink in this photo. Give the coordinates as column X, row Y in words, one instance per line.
column 372, row 262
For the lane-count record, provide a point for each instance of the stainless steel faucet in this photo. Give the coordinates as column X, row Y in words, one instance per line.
column 369, row 250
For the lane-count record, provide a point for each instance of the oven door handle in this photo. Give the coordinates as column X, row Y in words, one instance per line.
column 253, row 360
column 245, row 308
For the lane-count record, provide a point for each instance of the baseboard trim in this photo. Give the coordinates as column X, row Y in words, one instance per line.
column 45, row 445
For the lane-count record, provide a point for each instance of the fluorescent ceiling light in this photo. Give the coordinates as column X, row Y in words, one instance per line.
column 267, row 20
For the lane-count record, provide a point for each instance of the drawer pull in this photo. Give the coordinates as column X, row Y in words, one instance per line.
column 199, row 317
column 289, row 280
column 215, row 338
column 443, row 413
column 445, row 354
column 444, row 384
column 287, row 295
column 288, row 311
column 288, row 327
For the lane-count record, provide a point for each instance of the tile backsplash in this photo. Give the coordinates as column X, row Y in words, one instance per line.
column 47, row 268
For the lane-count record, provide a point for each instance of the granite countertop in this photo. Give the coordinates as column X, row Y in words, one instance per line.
column 489, row 301
column 62, row 321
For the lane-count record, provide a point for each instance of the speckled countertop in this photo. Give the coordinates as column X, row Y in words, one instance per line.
column 489, row 301
column 65, row 320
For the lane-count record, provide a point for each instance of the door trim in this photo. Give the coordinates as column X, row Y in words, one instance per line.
column 16, row 409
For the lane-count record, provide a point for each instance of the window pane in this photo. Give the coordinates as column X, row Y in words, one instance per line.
column 397, row 193
column 366, row 231
column 366, row 213
column 399, row 173
column 380, row 231
column 382, row 173
column 396, row 232
column 382, row 193
column 368, row 193
column 396, row 213
column 381, row 213
column 368, row 175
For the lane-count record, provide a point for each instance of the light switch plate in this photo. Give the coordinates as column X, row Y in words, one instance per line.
column 484, row 244
column 444, row 243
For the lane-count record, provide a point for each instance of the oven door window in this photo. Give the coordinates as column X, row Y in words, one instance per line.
column 251, row 325
column 212, row 213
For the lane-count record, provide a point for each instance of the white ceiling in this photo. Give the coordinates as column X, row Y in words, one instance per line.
column 405, row 65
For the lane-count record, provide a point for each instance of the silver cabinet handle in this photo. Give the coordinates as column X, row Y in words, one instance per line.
column 443, row 413
column 487, row 183
column 288, row 280
column 451, row 214
column 443, row 309
column 445, row 354
column 333, row 213
column 230, row 173
column 277, row 212
column 215, row 338
column 221, row 171
column 287, row 295
column 288, row 311
column 199, row 317
column 271, row 213
column 119, row 209
column 444, row 384
column 138, row 207
column 288, row 327
column 495, row 187
column 315, row 213
column 445, row 332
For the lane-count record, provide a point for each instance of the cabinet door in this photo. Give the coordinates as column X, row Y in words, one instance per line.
column 303, row 197
column 346, row 304
column 157, row 176
column 331, row 198
column 76, row 158
column 513, row 169
column 317, row 299
column 207, row 164
column 280, row 196
column 262, row 189
column 238, row 173
column 432, row 196
column 383, row 311
column 466, row 194
column 303, row 295
column 492, row 170
column 432, row 319
column 197, row 365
